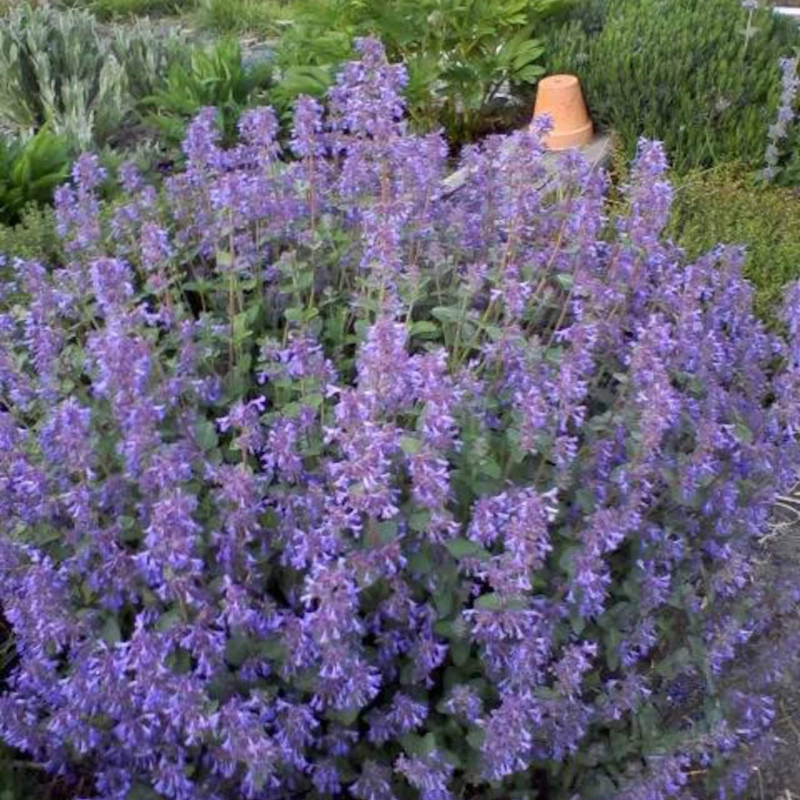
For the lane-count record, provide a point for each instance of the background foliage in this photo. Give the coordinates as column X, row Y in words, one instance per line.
column 683, row 72
column 214, row 76
column 465, row 58
column 728, row 204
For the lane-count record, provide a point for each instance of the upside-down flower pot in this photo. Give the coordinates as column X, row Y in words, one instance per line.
column 560, row 97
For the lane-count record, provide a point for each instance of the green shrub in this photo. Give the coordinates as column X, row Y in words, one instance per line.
column 58, row 67
column 33, row 237
column 30, row 170
column 727, row 205
column 464, row 57
column 680, row 71
column 147, row 54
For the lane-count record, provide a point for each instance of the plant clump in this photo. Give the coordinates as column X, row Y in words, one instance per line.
column 319, row 481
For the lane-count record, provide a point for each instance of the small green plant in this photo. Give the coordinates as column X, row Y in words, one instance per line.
column 33, row 237
column 214, row 77
column 729, row 205
column 59, row 67
column 30, row 170
column 695, row 75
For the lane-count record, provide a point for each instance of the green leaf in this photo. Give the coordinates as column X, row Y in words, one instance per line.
column 129, row 530
column 446, row 314
column 206, row 435
column 743, row 433
column 489, row 602
column 475, row 738
column 565, row 279
column 238, row 650
column 419, row 521
column 294, row 314
column 444, row 600
column 490, row 468
column 272, row 649
column 445, row 629
column 110, row 631
column 425, row 329
column 460, row 652
column 420, row 562
column 466, row 548
column 168, row 620
column 418, row 745
column 387, row 530
column 410, row 444
column 241, row 327
column 313, row 400
column 224, row 258
column 140, row 791
column 346, row 717
column 600, row 787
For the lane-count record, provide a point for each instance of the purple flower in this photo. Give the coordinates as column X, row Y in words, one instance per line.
column 111, row 283
column 172, row 539
column 200, row 144
column 307, row 138
column 155, row 246
column 464, row 702
column 429, row 775
column 374, row 783
column 406, row 714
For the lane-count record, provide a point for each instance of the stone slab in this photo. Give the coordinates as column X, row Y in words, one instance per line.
column 597, row 153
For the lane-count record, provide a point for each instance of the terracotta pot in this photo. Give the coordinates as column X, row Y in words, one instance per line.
column 560, row 97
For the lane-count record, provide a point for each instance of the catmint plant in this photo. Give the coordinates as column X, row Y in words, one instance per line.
column 778, row 131
column 318, row 481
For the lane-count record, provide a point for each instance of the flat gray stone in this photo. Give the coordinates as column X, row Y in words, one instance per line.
column 597, row 153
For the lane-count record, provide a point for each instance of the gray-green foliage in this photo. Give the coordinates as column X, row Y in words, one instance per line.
column 58, row 66
column 680, row 71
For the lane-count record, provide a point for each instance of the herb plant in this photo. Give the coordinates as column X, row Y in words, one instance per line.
column 317, row 479
column 58, row 68
column 230, row 17
column 127, row 9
